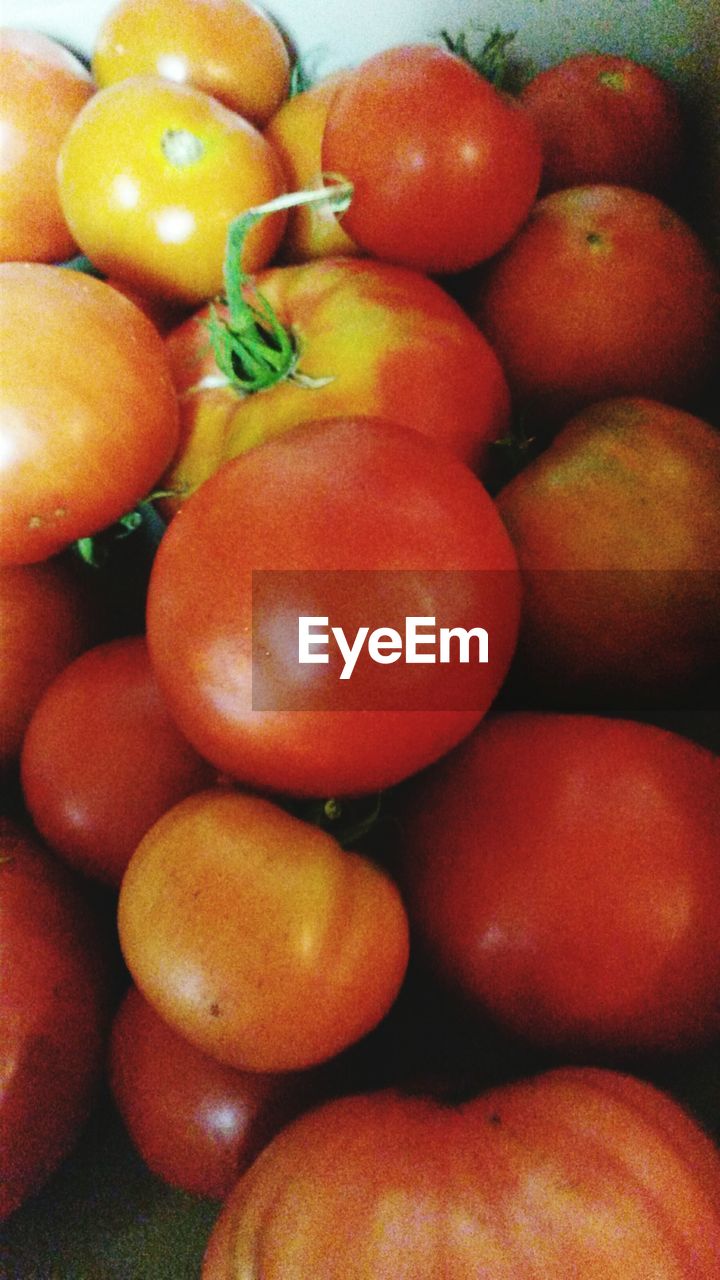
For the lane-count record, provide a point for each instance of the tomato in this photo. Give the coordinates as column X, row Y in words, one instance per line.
column 150, row 175
column 562, row 872
column 197, row 1123
column 229, row 48
column 371, row 339
column 606, row 118
column 604, row 292
column 617, row 530
column 423, row 539
column 54, row 1002
column 75, row 353
column 296, row 131
column 256, row 936
column 102, row 760
column 42, row 88
column 445, row 167
column 575, row 1173
column 46, row 620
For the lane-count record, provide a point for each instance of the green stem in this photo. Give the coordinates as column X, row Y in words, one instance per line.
column 251, row 347
column 492, row 60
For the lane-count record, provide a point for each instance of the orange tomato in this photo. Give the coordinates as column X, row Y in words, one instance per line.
column 152, row 173
column 296, row 131
column 230, row 48
column 42, row 88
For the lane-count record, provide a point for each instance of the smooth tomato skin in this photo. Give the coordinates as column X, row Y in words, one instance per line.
column 256, row 936
column 576, row 1172
column 150, row 176
column 54, row 1010
column 438, row 190
column 110, row 386
column 604, row 292
column 46, row 620
column 293, row 504
column 102, row 759
column 42, row 88
column 606, row 118
column 296, row 131
column 231, row 49
column 381, row 340
column 197, row 1123
column 579, row 907
column 617, row 530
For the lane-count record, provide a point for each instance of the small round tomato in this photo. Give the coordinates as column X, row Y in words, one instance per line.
column 296, row 131
column 102, row 760
column 578, row 1174
column 229, row 48
column 46, row 620
column 256, row 936
column 88, row 412
column 562, row 872
column 54, row 1006
column 445, row 168
column 604, row 292
column 370, row 524
column 371, row 339
column 150, row 176
column 42, row 88
column 606, row 118
column 197, row 1123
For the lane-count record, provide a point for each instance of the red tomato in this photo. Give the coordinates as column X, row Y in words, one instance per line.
column 229, row 48
column 604, row 292
column 256, row 936
column 445, row 167
column 372, row 339
column 42, row 88
column 94, row 791
column 617, row 530
column 110, row 388
column 150, row 176
column 347, row 494
column 605, row 118
column 197, row 1123
column 576, row 1173
column 53, row 1010
column 563, row 873
column 45, row 621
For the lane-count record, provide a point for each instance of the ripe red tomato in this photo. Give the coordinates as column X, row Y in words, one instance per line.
column 54, row 1005
column 229, row 48
column 150, row 176
column 420, row 537
column 604, row 292
column 42, row 88
column 606, row 118
column 445, row 167
column 617, row 531
column 46, row 620
column 256, row 936
column 102, row 760
column 562, row 871
column 110, row 389
column 372, row 339
column 575, row 1173
column 197, row 1123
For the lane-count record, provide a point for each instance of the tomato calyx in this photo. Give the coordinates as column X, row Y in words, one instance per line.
column 491, row 61
column 252, row 348
column 95, row 549
column 347, row 820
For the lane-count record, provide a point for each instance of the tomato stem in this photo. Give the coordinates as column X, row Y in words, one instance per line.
column 252, row 348
column 492, row 61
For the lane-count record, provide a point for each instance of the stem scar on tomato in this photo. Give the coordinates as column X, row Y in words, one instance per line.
column 181, row 147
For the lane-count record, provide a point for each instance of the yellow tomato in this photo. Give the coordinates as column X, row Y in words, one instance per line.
column 42, row 88
column 150, row 176
column 296, row 131
column 229, row 48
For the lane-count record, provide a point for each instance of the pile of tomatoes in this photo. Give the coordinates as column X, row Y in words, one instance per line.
column 392, row 971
